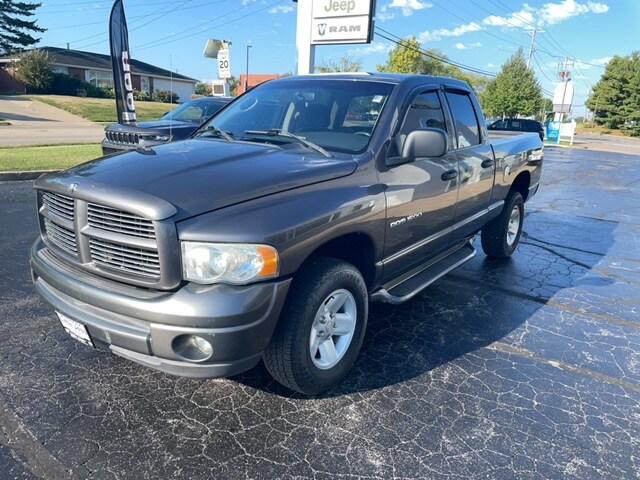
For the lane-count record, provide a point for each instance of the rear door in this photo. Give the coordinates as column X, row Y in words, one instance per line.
column 475, row 161
column 421, row 195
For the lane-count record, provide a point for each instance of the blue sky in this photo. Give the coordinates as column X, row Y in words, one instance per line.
column 480, row 33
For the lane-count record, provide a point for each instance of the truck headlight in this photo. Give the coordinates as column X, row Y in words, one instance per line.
column 234, row 263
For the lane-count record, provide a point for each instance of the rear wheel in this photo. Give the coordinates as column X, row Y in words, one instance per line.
column 500, row 237
column 321, row 329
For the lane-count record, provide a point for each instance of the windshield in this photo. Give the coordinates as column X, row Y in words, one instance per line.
column 337, row 115
column 196, row 111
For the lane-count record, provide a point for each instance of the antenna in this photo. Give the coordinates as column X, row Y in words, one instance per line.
column 170, row 94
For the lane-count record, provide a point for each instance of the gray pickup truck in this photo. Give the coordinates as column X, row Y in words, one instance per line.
column 267, row 234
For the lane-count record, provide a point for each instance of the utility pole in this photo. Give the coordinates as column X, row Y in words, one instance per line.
column 566, row 76
column 534, row 32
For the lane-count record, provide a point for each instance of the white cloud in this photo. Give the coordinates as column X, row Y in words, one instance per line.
column 490, row 65
column 384, row 14
column 433, row 35
column 408, row 7
column 281, row 9
column 552, row 13
column 371, row 49
column 548, row 14
column 462, row 46
column 246, row 2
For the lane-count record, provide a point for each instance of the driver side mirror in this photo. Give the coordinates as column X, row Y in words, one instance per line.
column 429, row 142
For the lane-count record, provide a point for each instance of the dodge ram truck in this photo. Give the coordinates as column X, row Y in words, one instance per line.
column 266, row 235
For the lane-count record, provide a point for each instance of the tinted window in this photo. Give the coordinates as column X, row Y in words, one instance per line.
column 425, row 112
column 467, row 131
column 531, row 126
column 516, row 125
column 499, row 125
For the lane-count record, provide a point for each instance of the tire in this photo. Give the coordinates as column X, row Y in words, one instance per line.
column 498, row 241
column 323, row 282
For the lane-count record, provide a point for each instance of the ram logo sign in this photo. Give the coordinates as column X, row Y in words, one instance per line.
column 341, row 21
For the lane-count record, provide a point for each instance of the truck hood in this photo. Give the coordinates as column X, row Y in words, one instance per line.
column 195, row 176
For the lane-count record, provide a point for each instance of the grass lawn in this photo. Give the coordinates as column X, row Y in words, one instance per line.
column 102, row 109
column 588, row 129
column 46, row 158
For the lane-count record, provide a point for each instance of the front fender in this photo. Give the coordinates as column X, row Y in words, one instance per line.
column 296, row 222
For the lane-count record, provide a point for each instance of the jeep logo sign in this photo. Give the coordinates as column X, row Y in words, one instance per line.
column 341, row 21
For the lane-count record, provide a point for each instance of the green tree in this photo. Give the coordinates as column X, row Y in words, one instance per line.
column 345, row 64
column 203, row 88
column 615, row 99
column 16, row 28
column 33, row 68
column 409, row 58
column 515, row 91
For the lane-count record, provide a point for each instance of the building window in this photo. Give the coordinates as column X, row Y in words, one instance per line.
column 100, row 79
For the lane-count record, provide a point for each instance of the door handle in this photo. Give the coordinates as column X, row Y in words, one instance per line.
column 487, row 163
column 449, row 175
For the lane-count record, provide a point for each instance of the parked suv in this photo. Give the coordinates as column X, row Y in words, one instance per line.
column 175, row 125
column 266, row 235
column 518, row 125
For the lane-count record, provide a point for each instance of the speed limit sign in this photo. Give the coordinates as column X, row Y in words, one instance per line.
column 224, row 65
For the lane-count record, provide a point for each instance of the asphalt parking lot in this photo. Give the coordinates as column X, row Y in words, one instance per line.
column 528, row 368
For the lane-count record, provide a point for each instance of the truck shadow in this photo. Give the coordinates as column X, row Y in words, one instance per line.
column 473, row 307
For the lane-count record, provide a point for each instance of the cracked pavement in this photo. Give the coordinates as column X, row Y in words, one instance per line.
column 528, row 368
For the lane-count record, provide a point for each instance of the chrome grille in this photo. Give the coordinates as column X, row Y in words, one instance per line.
column 61, row 237
column 59, row 205
column 115, row 220
column 125, row 258
column 108, row 241
column 125, row 138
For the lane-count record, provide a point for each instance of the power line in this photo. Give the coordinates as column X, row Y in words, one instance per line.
column 401, row 43
column 160, row 42
column 485, row 32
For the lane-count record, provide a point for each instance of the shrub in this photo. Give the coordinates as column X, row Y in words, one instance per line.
column 34, row 70
column 142, row 96
column 62, row 84
column 166, row 97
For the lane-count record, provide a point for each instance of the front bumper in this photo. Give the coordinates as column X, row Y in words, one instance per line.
column 142, row 325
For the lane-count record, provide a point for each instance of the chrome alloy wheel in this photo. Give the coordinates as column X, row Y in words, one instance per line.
column 513, row 227
column 333, row 328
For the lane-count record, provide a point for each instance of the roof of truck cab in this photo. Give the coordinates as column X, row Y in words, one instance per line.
column 396, row 78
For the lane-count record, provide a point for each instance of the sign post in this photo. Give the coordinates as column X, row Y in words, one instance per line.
column 331, row 22
column 219, row 50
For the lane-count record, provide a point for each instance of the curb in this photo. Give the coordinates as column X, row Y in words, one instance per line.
column 17, row 176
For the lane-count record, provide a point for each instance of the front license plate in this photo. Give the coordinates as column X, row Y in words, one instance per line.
column 75, row 329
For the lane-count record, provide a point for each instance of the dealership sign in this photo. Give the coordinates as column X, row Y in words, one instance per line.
column 341, row 21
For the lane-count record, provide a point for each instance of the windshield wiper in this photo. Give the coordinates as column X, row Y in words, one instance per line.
column 276, row 132
column 212, row 130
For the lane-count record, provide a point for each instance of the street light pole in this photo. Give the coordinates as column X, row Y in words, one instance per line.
column 246, row 77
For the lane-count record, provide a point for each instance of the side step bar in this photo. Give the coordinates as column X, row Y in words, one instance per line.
column 413, row 285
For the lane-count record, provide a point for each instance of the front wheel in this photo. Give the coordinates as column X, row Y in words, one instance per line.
column 321, row 329
column 501, row 235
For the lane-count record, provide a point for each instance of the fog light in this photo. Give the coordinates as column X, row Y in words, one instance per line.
column 192, row 347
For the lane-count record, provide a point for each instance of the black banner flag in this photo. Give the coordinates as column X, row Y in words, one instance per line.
column 122, row 85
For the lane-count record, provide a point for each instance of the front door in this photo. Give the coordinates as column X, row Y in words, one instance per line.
column 476, row 164
column 421, row 195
